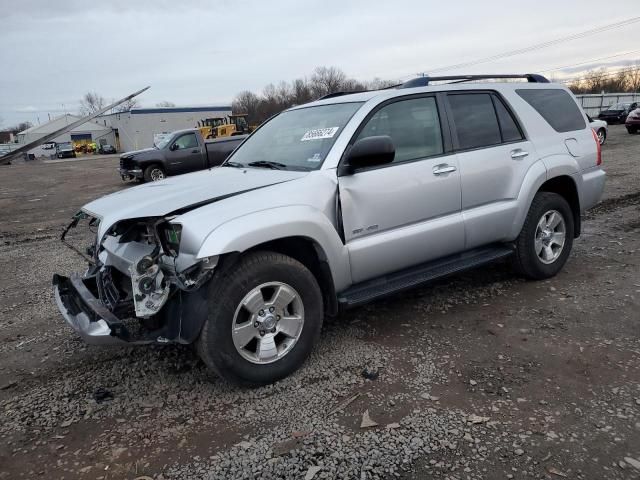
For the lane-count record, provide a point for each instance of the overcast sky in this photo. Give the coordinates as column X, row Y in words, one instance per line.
column 203, row 52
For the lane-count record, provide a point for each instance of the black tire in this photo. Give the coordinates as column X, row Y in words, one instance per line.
column 632, row 130
column 149, row 174
column 226, row 291
column 526, row 260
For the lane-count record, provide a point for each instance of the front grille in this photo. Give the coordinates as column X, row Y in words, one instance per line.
column 126, row 163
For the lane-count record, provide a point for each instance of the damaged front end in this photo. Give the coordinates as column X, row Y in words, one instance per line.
column 139, row 287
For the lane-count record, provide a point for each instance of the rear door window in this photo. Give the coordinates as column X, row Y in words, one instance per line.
column 475, row 120
column 556, row 107
column 508, row 126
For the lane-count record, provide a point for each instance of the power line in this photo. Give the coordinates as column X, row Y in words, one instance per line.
column 600, row 75
column 588, row 61
column 537, row 46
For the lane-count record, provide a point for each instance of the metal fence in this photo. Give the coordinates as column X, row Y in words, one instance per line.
column 594, row 103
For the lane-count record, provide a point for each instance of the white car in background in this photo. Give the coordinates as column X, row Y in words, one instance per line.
column 600, row 127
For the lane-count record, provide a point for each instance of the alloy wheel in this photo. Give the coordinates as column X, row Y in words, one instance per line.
column 157, row 174
column 550, row 236
column 268, row 322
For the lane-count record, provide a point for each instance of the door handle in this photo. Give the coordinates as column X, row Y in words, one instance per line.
column 519, row 153
column 195, row 151
column 443, row 168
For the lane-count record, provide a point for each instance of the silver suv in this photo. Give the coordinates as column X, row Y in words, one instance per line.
column 333, row 204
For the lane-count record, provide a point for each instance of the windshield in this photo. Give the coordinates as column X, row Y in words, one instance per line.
column 163, row 142
column 296, row 139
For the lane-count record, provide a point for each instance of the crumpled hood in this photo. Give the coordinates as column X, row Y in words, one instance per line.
column 181, row 193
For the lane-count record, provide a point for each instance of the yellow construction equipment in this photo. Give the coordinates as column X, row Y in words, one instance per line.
column 224, row 126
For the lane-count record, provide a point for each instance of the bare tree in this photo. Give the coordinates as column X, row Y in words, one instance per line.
column 594, row 80
column 576, row 86
column 379, row 84
column 165, row 104
column 249, row 103
column 20, row 127
column 352, row 85
column 325, row 80
column 275, row 98
column 271, row 102
column 633, row 78
column 128, row 105
column 91, row 102
column 300, row 92
column 626, row 80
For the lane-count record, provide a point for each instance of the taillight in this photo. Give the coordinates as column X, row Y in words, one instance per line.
column 598, row 146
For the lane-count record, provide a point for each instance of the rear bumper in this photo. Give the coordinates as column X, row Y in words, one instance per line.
column 592, row 187
column 84, row 313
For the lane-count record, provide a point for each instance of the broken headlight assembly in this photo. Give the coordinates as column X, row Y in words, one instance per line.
column 170, row 234
column 136, row 264
column 138, row 279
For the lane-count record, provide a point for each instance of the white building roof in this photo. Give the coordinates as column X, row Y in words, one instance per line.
column 59, row 122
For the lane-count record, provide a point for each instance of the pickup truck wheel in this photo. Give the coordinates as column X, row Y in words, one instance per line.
column 264, row 317
column 545, row 242
column 153, row 173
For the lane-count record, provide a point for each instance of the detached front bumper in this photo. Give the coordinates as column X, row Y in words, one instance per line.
column 86, row 314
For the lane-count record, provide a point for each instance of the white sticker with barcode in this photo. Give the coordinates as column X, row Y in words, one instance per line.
column 319, row 133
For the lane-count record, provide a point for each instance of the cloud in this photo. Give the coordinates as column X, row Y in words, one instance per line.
column 197, row 51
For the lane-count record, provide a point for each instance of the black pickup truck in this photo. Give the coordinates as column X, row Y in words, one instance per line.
column 184, row 151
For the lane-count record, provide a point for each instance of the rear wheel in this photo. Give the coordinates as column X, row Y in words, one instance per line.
column 602, row 136
column 154, row 173
column 264, row 318
column 545, row 242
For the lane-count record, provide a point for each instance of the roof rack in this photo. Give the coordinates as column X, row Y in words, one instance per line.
column 339, row 94
column 424, row 81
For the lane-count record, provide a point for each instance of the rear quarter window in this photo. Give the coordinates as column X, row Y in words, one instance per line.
column 556, row 107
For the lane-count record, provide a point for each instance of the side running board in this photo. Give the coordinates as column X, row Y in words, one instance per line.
column 364, row 292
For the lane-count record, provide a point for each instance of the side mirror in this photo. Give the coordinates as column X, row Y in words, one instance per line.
column 174, row 147
column 369, row 152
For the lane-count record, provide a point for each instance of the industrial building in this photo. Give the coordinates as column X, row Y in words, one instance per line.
column 133, row 130
column 141, row 127
column 89, row 132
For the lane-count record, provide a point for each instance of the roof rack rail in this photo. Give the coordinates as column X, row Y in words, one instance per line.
column 339, row 94
column 424, row 81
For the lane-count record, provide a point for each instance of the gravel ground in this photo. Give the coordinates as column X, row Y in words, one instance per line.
column 482, row 375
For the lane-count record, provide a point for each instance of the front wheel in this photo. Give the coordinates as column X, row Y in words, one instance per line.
column 153, row 173
column 632, row 130
column 546, row 238
column 264, row 317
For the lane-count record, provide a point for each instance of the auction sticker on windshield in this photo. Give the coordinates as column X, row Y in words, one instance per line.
column 319, row 133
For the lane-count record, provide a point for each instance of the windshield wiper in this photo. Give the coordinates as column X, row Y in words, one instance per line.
column 268, row 164
column 232, row 164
